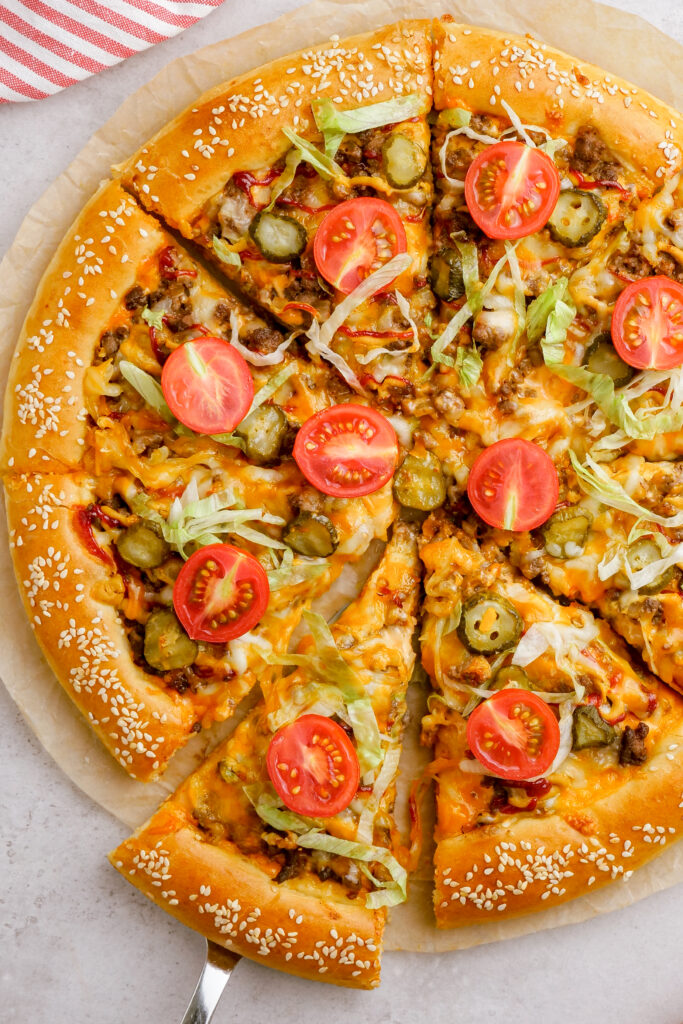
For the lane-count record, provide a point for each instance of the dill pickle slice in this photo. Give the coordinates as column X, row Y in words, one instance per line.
column 142, row 545
column 311, row 534
column 566, row 532
column 167, row 645
column 419, row 483
column 403, row 160
column 279, row 238
column 577, row 217
column 489, row 623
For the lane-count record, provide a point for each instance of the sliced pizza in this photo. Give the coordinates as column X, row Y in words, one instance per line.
column 308, row 183
column 542, row 168
column 554, row 750
column 282, row 846
column 614, row 543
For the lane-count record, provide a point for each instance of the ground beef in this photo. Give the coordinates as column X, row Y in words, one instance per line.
column 458, row 159
column 305, row 289
column 593, row 157
column 146, row 441
column 222, row 312
column 135, row 298
column 450, row 405
column 670, row 267
column 111, row 341
column 631, row 264
column 179, row 317
column 632, row 749
column 295, row 861
column 652, row 607
column 236, row 212
column 361, row 153
column 263, row 339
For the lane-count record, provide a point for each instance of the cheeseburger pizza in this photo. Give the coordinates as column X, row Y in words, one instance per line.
column 421, row 287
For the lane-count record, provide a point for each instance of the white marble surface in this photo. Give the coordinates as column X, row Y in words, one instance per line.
column 78, row 944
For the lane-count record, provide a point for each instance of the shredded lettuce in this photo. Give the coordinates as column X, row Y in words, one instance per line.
column 272, row 386
column 226, row 253
column 519, row 297
column 561, row 638
column 385, row 776
column 597, row 483
column 269, row 808
column 154, row 319
column 256, row 358
column 469, row 261
column 469, row 365
column 323, row 164
column 456, row 117
column 335, row 124
column 290, row 572
column 148, row 387
column 292, row 161
column 391, row 893
column 470, row 308
column 540, row 309
column 199, row 521
column 619, row 561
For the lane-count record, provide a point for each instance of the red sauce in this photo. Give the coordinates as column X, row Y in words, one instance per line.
column 368, row 378
column 589, row 183
column 349, row 332
column 302, row 305
column 84, row 519
column 167, row 265
column 296, row 205
column 651, row 703
column 246, row 181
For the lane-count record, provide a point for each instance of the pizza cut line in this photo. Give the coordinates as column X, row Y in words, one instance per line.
column 386, row 291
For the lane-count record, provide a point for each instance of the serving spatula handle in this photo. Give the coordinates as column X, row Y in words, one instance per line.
column 216, row 972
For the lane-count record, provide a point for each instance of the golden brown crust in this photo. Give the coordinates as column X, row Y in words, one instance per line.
column 95, row 265
column 69, row 596
column 533, row 863
column 313, row 932
column 477, row 68
column 238, row 125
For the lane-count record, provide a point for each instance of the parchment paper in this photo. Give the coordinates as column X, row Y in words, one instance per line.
column 618, row 42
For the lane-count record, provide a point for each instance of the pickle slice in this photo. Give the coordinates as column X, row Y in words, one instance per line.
column 142, row 545
column 167, row 645
column 566, row 532
column 489, row 623
column 419, row 483
column 602, row 357
column 445, row 274
column 589, row 728
column 577, row 217
column 311, row 534
column 644, row 552
column 279, row 238
column 263, row 431
column 403, row 161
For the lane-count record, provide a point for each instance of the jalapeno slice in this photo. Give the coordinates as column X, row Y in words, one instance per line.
column 142, row 545
column 445, row 274
column 589, row 728
column 263, row 431
column 489, row 623
column 167, row 645
column 511, row 675
column 602, row 357
column 403, row 160
column 280, row 238
column 419, row 483
column 577, row 217
column 566, row 532
column 312, row 534
column 644, row 552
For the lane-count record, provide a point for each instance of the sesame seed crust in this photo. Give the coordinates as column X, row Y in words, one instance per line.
column 532, row 863
column 312, row 930
column 69, row 596
column 239, row 125
column 556, row 91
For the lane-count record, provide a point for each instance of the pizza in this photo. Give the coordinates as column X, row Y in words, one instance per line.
column 402, row 312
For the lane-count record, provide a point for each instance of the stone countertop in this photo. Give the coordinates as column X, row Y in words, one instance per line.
column 80, row 945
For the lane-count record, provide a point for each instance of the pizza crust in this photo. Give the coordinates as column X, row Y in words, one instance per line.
column 311, row 930
column 477, row 68
column 502, row 870
column 238, row 125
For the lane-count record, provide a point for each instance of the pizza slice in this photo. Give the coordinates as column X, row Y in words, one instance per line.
column 308, row 183
column 554, row 750
column 282, row 846
column 614, row 543
column 585, row 153
column 134, row 490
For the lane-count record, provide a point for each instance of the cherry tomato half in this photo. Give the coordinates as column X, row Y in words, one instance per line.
column 647, row 324
column 347, row 450
column 207, row 385
column 221, row 592
column 355, row 239
column 511, row 189
column 313, row 766
column 514, row 734
column 513, row 485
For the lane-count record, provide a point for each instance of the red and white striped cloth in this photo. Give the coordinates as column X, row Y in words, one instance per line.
column 46, row 45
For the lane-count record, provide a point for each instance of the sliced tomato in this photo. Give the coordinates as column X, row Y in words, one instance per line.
column 513, row 485
column 347, row 450
column 207, row 385
column 511, row 189
column 647, row 324
column 514, row 734
column 313, row 766
column 355, row 239
column 221, row 592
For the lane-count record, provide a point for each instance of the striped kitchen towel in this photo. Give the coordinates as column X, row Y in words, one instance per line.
column 46, row 45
